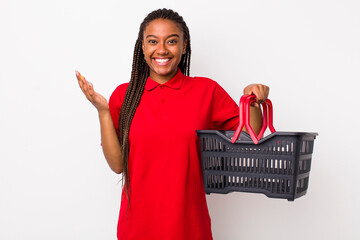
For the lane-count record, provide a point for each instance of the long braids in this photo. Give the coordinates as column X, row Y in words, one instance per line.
column 139, row 75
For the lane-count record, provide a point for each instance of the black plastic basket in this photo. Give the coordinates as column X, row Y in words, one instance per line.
column 277, row 165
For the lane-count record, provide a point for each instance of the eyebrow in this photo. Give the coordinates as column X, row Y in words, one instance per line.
column 172, row 35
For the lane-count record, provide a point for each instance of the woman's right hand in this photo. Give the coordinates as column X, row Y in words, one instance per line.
column 109, row 140
column 95, row 98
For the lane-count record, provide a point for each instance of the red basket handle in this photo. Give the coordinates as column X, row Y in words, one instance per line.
column 244, row 118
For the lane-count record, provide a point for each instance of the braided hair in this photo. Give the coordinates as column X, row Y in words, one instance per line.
column 139, row 74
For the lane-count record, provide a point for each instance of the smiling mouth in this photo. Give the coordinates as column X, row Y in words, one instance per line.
column 162, row 60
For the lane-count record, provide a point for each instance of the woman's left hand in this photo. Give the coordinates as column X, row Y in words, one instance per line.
column 259, row 90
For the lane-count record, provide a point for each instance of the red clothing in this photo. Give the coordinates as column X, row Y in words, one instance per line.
column 167, row 193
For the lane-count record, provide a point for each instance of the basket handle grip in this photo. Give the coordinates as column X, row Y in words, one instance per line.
column 244, row 118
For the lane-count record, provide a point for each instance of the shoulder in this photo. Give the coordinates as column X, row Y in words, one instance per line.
column 202, row 82
column 118, row 94
column 208, row 87
column 120, row 90
column 207, row 84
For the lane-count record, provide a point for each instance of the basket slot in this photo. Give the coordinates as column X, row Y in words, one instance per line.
column 304, row 166
column 207, row 144
column 302, row 185
column 285, row 186
column 280, row 147
column 284, row 166
column 287, row 148
column 271, row 185
column 216, row 144
column 288, row 186
column 214, row 163
column 209, row 164
column 290, row 147
column 287, row 167
column 212, row 145
column 306, row 147
column 255, row 165
column 211, row 181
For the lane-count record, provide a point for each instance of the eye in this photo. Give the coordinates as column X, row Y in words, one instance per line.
column 151, row 41
column 172, row 41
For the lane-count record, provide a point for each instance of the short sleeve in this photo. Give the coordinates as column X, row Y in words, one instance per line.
column 225, row 112
column 115, row 103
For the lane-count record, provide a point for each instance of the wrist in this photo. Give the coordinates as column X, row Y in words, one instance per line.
column 103, row 113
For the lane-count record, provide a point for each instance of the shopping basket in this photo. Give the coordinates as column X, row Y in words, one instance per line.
column 277, row 165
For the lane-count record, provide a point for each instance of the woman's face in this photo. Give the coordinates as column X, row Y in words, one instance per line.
column 163, row 46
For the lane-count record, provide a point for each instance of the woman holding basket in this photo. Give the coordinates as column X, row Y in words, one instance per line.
column 148, row 133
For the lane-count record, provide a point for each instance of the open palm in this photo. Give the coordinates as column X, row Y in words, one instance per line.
column 95, row 98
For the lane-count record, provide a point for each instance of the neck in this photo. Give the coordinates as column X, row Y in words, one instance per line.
column 162, row 79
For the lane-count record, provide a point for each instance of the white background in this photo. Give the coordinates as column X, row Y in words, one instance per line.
column 54, row 180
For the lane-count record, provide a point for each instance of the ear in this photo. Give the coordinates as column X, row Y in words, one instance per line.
column 143, row 46
column 184, row 49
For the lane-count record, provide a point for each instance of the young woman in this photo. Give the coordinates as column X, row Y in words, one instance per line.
column 148, row 133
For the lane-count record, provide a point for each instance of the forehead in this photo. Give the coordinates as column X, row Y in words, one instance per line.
column 162, row 28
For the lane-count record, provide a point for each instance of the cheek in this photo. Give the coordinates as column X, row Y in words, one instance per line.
column 148, row 50
column 177, row 51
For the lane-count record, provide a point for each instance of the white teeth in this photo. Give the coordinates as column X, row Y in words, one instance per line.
column 162, row 60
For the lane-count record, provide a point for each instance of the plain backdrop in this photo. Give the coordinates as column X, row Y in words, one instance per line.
column 54, row 180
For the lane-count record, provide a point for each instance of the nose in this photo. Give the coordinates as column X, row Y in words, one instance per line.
column 162, row 49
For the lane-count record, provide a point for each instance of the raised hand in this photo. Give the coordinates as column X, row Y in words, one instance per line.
column 95, row 98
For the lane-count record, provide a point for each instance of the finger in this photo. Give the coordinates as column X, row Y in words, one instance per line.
column 81, row 83
column 267, row 90
column 78, row 76
column 263, row 93
column 248, row 91
column 85, row 85
column 77, row 73
column 255, row 104
column 256, row 91
column 81, row 80
column 91, row 89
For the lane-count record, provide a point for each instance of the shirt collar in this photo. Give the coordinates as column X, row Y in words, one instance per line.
column 173, row 83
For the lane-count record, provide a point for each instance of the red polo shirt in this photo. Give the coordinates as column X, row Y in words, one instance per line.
column 167, row 193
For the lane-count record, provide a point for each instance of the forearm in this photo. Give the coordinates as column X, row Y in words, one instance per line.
column 110, row 143
column 255, row 119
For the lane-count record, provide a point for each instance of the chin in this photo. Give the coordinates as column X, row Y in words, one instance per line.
column 165, row 72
